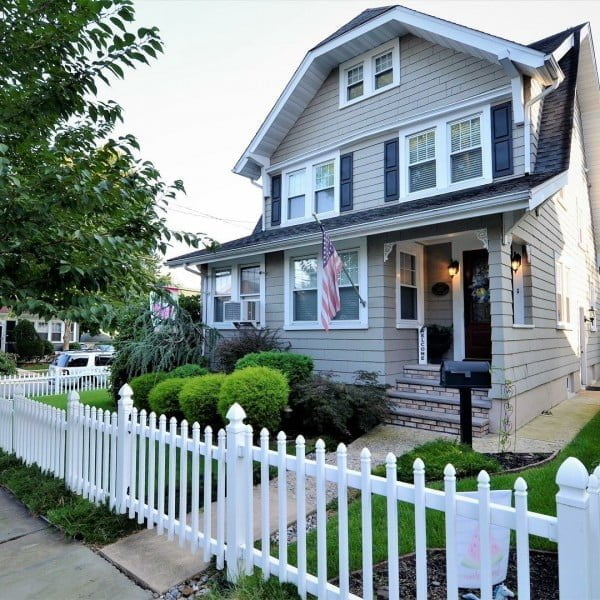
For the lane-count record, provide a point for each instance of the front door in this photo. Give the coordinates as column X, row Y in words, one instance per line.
column 476, row 286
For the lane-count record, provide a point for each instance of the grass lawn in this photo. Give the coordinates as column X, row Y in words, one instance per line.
column 34, row 366
column 98, row 398
column 542, row 491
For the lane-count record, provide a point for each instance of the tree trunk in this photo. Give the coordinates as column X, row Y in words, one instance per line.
column 67, row 335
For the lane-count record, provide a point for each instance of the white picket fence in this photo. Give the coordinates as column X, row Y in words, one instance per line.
column 157, row 473
column 43, row 383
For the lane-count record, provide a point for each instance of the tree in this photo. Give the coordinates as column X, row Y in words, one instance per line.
column 193, row 305
column 81, row 215
column 28, row 342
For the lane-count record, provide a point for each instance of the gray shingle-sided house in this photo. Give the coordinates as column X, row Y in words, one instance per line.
column 458, row 175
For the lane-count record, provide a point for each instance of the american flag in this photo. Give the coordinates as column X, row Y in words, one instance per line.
column 330, row 294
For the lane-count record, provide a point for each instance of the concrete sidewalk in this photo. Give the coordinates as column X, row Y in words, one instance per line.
column 36, row 561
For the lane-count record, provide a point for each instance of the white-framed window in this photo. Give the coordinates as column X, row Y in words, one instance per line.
column 421, row 161
column 409, row 285
column 446, row 154
column 296, row 194
column 311, row 187
column 355, row 86
column 370, row 73
column 222, row 292
column 302, row 287
column 466, row 156
column 562, row 275
column 42, row 328
column 234, row 282
column 56, row 331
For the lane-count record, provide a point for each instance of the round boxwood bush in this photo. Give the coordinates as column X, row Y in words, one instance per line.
column 187, row 371
column 141, row 386
column 262, row 392
column 198, row 400
column 164, row 397
column 296, row 367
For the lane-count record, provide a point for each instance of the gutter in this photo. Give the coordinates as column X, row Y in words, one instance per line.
column 507, row 202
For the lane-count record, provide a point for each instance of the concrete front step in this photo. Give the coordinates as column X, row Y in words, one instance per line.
column 425, row 398
column 433, row 420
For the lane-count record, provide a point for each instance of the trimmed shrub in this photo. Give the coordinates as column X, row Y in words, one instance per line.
column 247, row 341
column 142, row 385
column 47, row 348
column 262, row 393
column 187, row 371
column 338, row 411
column 164, row 397
column 8, row 364
column 296, row 367
column 28, row 342
column 74, row 346
column 198, row 400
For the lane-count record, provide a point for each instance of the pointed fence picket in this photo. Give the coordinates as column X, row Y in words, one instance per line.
column 175, row 479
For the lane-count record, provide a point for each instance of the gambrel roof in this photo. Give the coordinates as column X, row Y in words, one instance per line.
column 368, row 30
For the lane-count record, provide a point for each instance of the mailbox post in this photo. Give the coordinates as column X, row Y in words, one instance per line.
column 465, row 375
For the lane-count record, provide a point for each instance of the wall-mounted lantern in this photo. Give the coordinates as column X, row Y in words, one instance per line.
column 453, row 268
column 515, row 262
column 591, row 315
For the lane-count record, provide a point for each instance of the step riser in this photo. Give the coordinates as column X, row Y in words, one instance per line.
column 437, row 390
column 433, row 425
column 435, row 406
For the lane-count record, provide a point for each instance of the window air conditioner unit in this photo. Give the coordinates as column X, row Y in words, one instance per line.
column 232, row 311
column 251, row 311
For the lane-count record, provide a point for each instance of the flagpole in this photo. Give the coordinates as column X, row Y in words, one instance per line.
column 360, row 299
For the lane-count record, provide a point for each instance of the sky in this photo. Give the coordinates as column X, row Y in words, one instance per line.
column 196, row 108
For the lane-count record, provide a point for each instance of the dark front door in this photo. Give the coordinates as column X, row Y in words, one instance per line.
column 11, row 345
column 476, row 285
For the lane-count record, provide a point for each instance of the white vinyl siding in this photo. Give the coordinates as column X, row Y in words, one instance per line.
column 466, row 161
column 421, row 161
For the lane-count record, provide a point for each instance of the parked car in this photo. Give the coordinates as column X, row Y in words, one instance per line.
column 87, row 364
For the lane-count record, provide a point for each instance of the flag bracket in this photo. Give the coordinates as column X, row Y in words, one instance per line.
column 360, row 298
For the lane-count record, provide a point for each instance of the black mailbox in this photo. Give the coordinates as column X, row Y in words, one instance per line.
column 465, row 374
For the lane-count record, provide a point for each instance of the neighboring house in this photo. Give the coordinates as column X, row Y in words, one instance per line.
column 420, row 142
column 53, row 330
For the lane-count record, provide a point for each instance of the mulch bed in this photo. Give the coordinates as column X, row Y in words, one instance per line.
column 513, row 461
column 543, row 576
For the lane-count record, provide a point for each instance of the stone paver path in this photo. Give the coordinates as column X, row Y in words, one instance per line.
column 36, row 561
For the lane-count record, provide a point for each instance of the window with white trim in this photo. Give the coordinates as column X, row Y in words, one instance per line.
column 296, row 195
column 354, row 82
column 409, row 288
column 42, row 328
column 370, row 73
column 324, row 186
column 421, row 161
column 250, row 283
column 563, row 301
column 302, row 283
column 56, row 332
column 466, row 160
column 222, row 292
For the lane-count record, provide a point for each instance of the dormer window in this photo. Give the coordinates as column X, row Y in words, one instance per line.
column 355, row 86
column 370, row 73
column 384, row 70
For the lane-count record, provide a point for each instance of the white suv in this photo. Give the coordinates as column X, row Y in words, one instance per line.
column 81, row 365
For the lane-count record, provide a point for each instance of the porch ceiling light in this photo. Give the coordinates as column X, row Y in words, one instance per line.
column 453, row 268
column 515, row 262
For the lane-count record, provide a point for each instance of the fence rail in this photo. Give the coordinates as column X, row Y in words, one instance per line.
column 198, row 488
column 43, row 383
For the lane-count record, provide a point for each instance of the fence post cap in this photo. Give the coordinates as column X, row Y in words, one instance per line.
column 520, row 485
column 483, row 478
column 572, row 474
column 300, row 441
column 365, row 454
column 72, row 398
column 449, row 471
column 594, row 484
column 419, row 466
column 125, row 395
column 235, row 414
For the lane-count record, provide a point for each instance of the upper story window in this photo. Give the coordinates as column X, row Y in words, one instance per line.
column 312, row 188
column 421, row 161
column 370, row 73
column 465, row 149
column 447, row 154
column 354, row 83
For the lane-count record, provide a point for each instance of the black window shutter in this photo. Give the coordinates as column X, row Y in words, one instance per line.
column 502, row 146
column 391, row 170
column 346, row 169
column 276, row 200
